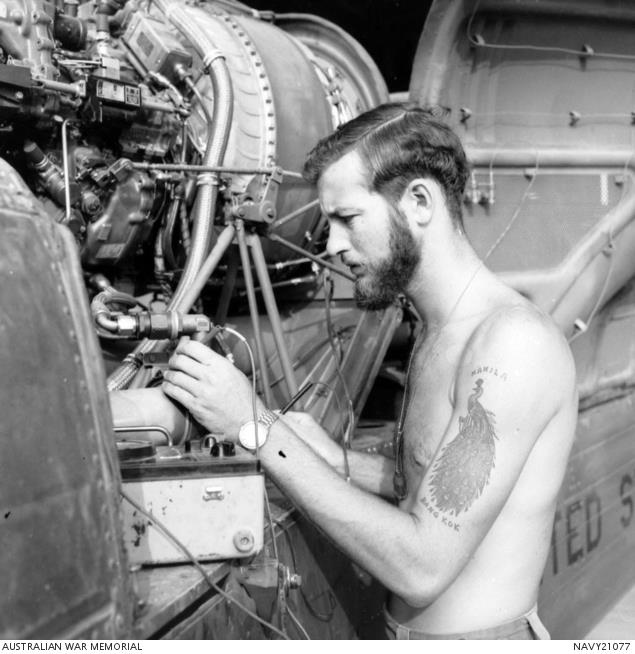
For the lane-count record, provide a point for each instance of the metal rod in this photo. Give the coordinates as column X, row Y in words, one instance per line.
column 67, row 181
column 294, row 281
column 296, row 213
column 144, row 428
column 272, row 311
column 76, row 90
column 554, row 157
column 296, row 398
column 305, row 253
column 195, row 168
column 231, row 274
column 208, row 266
column 253, row 310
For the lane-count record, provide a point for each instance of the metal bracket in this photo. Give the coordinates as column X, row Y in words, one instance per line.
column 262, row 210
column 480, row 192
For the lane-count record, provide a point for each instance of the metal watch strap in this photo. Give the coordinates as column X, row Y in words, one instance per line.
column 267, row 417
column 253, row 435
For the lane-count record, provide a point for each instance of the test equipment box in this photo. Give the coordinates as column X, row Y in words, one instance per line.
column 214, row 506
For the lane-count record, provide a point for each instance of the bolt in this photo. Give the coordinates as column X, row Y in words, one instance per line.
column 295, row 581
column 244, row 540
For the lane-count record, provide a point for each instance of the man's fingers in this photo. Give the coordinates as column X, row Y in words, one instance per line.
column 187, row 365
column 181, row 380
column 177, row 393
column 198, row 352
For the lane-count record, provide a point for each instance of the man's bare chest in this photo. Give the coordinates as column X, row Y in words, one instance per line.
column 429, row 407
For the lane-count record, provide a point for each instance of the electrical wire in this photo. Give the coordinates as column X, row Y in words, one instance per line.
column 539, row 48
column 298, row 624
column 336, row 349
column 252, row 362
column 479, row 42
column 516, row 213
column 313, row 350
column 197, row 564
column 322, row 617
column 351, row 419
column 335, row 341
column 270, row 520
column 611, row 252
column 524, row 115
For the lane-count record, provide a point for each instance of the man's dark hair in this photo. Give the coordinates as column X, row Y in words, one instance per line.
column 397, row 143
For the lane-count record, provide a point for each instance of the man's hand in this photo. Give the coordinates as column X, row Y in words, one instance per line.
column 217, row 395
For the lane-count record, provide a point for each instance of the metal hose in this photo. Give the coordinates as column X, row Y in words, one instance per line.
column 101, row 313
column 218, row 135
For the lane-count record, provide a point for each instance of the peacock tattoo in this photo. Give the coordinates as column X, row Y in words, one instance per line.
column 465, row 464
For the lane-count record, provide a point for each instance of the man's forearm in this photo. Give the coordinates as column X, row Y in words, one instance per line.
column 375, row 534
column 371, row 472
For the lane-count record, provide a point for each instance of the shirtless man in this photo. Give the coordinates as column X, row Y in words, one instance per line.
column 492, row 403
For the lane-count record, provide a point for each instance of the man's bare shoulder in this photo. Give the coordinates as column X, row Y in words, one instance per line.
column 527, row 345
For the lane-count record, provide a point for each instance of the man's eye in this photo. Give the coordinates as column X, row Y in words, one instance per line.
column 347, row 220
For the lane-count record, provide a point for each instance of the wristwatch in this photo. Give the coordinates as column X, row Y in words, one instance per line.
column 247, row 433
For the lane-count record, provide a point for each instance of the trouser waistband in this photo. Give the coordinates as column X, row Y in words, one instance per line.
column 527, row 627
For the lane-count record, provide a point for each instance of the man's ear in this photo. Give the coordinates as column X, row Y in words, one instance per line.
column 418, row 201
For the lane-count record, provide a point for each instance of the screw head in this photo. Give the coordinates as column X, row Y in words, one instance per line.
column 244, row 541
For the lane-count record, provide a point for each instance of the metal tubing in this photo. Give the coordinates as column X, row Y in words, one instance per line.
column 229, row 284
column 141, row 428
column 551, row 157
column 295, row 214
column 305, row 253
column 67, row 182
column 206, row 198
column 196, row 168
column 253, row 311
column 223, row 241
column 76, row 90
column 218, row 135
column 272, row 311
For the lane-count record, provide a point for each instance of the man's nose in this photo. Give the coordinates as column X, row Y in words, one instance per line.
column 338, row 240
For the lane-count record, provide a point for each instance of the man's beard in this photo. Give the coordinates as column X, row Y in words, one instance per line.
column 384, row 281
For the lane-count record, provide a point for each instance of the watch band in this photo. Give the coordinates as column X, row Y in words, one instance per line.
column 254, row 435
column 267, row 418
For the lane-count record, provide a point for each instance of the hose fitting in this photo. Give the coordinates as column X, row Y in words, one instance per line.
column 170, row 324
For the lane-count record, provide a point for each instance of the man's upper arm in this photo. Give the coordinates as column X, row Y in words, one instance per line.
column 512, row 380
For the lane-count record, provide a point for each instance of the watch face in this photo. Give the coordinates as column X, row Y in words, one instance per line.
column 247, row 435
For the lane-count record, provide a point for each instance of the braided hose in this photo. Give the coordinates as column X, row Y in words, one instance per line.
column 218, row 135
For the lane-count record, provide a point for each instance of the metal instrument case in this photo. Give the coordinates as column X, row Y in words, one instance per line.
column 214, row 506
